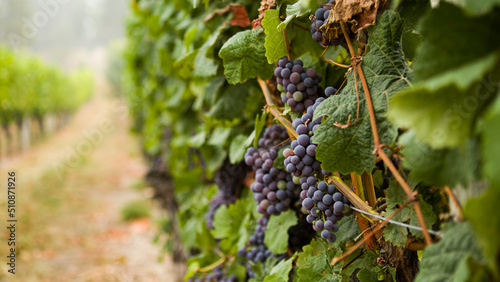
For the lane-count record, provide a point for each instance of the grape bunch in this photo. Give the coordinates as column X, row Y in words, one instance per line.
column 325, row 206
column 273, row 189
column 299, row 86
column 255, row 250
column 216, row 275
column 320, row 17
column 229, row 179
column 301, row 158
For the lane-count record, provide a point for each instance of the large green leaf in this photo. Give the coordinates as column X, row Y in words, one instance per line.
column 244, row 57
column 237, row 148
column 275, row 43
column 204, row 64
column 490, row 141
column 232, row 224
column 440, row 166
column 231, row 102
column 350, row 150
column 483, row 215
column 441, row 261
column 280, row 271
column 442, row 109
column 479, row 7
column 448, row 94
column 298, row 9
column 276, row 237
column 437, row 56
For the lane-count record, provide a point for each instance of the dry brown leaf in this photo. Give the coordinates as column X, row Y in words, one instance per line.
column 240, row 16
column 264, row 6
column 359, row 13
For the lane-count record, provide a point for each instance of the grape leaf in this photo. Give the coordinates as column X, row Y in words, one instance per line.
column 275, row 43
column 436, row 56
column 196, row 141
column 199, row 261
column 204, row 64
column 396, row 197
column 244, row 57
column 440, row 166
column 411, row 42
column 229, row 105
column 262, row 270
column 298, row 9
column 276, row 237
column 237, row 148
column 482, row 212
column 279, row 162
column 448, row 93
column 440, row 261
column 301, row 47
column 450, row 106
column 348, row 230
column 219, row 136
column 490, row 140
column 313, row 264
column 369, row 269
column 237, row 269
column 280, row 271
column 480, row 7
column 367, row 275
column 350, row 149
column 260, row 122
column 213, row 158
column 411, row 11
column 232, row 224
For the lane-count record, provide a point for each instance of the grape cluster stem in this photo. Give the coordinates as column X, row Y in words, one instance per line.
column 272, row 109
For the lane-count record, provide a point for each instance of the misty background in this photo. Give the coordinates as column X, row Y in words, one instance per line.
column 68, row 33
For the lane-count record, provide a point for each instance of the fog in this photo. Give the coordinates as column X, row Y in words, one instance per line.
column 63, row 32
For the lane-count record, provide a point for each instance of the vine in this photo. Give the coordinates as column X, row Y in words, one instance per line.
column 381, row 136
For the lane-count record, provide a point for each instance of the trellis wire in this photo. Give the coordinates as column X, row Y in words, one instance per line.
column 395, row 222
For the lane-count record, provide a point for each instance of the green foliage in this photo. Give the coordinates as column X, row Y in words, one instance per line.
column 490, row 141
column 298, row 9
column 244, row 57
column 227, row 220
column 276, row 238
column 275, row 42
column 116, row 66
column 440, row 166
column 350, row 150
column 444, row 73
column 313, row 264
column 481, row 212
column 29, row 87
column 396, row 197
column 444, row 260
column 348, row 230
column 433, row 76
column 280, row 271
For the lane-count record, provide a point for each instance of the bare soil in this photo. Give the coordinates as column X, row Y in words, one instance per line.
column 71, row 189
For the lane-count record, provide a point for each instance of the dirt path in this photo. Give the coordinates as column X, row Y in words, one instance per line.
column 71, row 190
